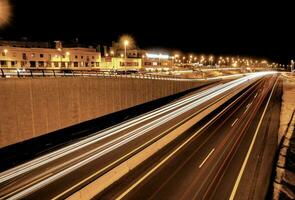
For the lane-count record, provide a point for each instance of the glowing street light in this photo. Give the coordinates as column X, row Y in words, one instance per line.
column 112, row 53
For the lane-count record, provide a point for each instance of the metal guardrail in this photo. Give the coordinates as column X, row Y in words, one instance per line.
column 46, row 72
column 29, row 72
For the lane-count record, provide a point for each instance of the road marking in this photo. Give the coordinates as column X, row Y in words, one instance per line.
column 206, row 158
column 234, row 122
column 235, row 188
column 249, row 104
column 246, row 109
column 255, row 95
column 174, row 152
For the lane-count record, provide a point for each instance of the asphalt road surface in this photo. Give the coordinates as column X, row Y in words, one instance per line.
column 212, row 160
column 191, row 167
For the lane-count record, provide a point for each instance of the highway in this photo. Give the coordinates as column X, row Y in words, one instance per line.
column 60, row 173
column 210, row 161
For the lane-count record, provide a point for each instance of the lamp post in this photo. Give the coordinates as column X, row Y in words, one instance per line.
column 126, row 42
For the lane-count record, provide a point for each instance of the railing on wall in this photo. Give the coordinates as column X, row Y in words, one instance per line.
column 33, row 72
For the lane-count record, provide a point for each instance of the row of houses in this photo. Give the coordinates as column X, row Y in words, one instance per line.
column 15, row 54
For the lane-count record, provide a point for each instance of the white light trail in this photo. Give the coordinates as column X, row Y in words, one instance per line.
column 178, row 108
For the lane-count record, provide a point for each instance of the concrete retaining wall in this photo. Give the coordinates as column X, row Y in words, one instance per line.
column 34, row 107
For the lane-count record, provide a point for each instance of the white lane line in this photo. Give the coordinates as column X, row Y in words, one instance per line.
column 249, row 104
column 234, row 122
column 206, row 158
column 235, row 188
column 246, row 109
column 255, row 95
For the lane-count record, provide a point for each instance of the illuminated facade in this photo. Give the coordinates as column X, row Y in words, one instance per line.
column 118, row 63
column 152, row 61
column 42, row 55
column 33, row 57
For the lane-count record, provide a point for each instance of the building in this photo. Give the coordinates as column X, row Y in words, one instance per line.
column 41, row 55
column 121, row 64
column 157, row 61
column 150, row 61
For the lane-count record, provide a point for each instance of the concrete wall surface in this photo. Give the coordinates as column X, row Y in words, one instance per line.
column 33, row 107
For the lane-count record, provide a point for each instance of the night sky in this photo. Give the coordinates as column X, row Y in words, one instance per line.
column 241, row 28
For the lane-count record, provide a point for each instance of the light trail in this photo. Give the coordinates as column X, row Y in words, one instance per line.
column 14, row 172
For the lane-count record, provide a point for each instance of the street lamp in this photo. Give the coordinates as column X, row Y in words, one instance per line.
column 183, row 59
column 126, row 43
